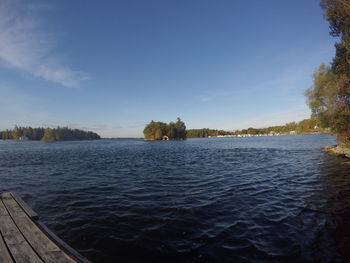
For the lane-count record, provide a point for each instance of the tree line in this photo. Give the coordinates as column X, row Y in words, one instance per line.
column 206, row 132
column 48, row 134
column 304, row 126
column 329, row 97
column 157, row 130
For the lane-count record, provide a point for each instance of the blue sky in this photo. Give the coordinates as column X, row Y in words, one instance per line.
column 112, row 66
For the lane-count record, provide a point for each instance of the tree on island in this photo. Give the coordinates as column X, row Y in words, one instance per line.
column 177, row 130
column 157, row 130
column 329, row 97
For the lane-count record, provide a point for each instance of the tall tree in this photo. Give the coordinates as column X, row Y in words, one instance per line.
column 180, row 129
column 337, row 12
column 48, row 136
column 329, row 97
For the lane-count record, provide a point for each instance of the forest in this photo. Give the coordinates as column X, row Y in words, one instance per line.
column 48, row 134
column 302, row 127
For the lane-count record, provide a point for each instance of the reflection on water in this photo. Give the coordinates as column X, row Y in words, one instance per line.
column 261, row 199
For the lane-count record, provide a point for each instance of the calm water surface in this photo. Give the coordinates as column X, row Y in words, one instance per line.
column 259, row 199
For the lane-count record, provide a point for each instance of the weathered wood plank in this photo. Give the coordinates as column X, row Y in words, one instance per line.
column 3, row 211
column 29, row 211
column 47, row 250
column 20, row 250
column 43, row 246
column 5, row 256
column 8, row 197
column 62, row 244
column 26, row 239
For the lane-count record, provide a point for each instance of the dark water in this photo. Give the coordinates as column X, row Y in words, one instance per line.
column 261, row 199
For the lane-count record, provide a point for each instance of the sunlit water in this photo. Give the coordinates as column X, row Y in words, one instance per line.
column 258, row 199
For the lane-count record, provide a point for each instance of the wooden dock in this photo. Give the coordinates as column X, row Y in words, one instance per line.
column 24, row 239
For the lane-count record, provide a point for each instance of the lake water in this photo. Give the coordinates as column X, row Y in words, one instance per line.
column 257, row 199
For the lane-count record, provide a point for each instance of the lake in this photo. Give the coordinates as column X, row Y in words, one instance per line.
column 254, row 199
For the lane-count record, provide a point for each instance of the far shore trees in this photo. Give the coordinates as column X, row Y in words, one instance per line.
column 157, row 130
column 306, row 126
column 48, row 134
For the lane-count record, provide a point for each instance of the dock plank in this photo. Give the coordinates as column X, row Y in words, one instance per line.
column 43, row 246
column 5, row 256
column 20, row 250
column 3, row 210
column 29, row 211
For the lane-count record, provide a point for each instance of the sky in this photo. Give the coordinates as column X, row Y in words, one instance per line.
column 113, row 66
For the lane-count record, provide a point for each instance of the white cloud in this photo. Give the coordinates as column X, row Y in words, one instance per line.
column 25, row 45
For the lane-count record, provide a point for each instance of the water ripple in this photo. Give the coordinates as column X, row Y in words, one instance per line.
column 271, row 199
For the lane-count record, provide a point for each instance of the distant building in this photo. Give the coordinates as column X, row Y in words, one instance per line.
column 23, row 138
column 292, row 132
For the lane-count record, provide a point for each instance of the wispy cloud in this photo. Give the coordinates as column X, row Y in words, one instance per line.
column 27, row 46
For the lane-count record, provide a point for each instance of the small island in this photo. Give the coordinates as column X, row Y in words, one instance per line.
column 47, row 134
column 157, row 130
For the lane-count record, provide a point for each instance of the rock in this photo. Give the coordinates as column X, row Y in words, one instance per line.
column 338, row 150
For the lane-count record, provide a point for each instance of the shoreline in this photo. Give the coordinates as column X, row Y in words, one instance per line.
column 339, row 150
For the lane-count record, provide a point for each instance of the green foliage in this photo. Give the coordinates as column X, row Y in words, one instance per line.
column 48, row 136
column 6, row 135
column 202, row 133
column 337, row 12
column 173, row 130
column 304, row 126
column 322, row 96
column 307, row 125
column 56, row 134
column 66, row 134
column 252, row 131
column 177, row 130
column 329, row 97
column 290, row 126
column 329, row 100
column 155, row 130
column 244, row 131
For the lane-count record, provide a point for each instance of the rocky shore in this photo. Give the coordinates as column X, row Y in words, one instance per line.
column 338, row 150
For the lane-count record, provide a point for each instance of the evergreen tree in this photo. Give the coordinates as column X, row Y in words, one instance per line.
column 57, row 134
column 48, row 136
